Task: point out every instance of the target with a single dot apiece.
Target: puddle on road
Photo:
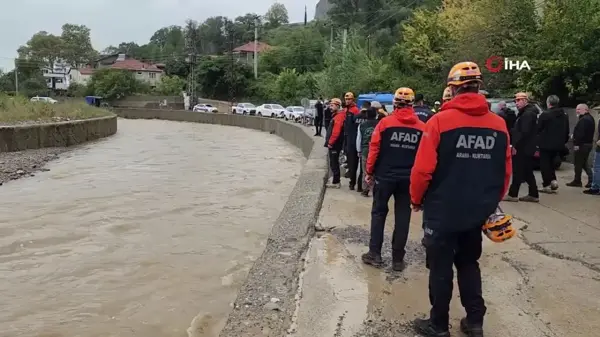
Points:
(137, 234)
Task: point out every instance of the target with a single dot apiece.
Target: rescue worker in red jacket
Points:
(335, 141)
(391, 156)
(461, 172)
(351, 124)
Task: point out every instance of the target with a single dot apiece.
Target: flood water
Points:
(140, 234)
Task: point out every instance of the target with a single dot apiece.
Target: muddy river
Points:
(148, 233)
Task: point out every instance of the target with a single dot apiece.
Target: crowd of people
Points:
(453, 162)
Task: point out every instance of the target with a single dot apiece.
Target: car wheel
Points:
(234, 111)
(272, 115)
(244, 113)
(260, 114)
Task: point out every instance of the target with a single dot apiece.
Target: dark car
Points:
(510, 103)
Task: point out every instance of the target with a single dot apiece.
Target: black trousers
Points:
(581, 162)
(326, 122)
(318, 125)
(353, 163)
(547, 158)
(334, 165)
(523, 172)
(463, 250)
(382, 192)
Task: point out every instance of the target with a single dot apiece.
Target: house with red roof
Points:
(144, 71)
(245, 53)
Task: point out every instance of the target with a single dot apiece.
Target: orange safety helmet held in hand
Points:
(349, 95)
(498, 227)
(404, 96)
(464, 72)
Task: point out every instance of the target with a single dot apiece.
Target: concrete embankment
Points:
(267, 300)
(60, 134)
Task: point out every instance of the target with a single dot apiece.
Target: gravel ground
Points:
(15, 165)
(39, 121)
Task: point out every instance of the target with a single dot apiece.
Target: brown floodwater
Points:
(148, 233)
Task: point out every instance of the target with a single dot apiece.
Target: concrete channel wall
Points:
(275, 274)
(60, 134)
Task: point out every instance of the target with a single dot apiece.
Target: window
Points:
(267, 106)
(139, 72)
(152, 75)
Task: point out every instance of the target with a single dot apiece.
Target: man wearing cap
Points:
(523, 143)
(436, 107)
(423, 111)
(351, 129)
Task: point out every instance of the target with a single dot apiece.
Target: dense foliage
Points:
(389, 43)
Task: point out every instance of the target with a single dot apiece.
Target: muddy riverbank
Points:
(15, 165)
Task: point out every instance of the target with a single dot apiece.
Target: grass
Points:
(19, 110)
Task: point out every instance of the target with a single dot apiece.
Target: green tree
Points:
(77, 44)
(43, 48)
(276, 16)
(170, 86)
(113, 84)
(218, 77)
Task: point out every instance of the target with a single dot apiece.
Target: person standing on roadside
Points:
(583, 142)
(335, 141)
(423, 111)
(595, 188)
(507, 114)
(461, 171)
(319, 107)
(351, 129)
(363, 138)
(553, 134)
(524, 137)
(327, 115)
(392, 151)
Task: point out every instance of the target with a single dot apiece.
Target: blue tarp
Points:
(382, 97)
(91, 100)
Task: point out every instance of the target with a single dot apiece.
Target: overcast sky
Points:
(115, 21)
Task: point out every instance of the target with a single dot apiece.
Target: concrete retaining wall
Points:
(275, 274)
(60, 134)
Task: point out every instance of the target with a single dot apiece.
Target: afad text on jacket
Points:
(423, 112)
(394, 144)
(463, 165)
(335, 134)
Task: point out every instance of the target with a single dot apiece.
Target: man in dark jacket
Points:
(523, 136)
(507, 114)
(319, 107)
(350, 129)
(583, 142)
(363, 138)
(327, 116)
(423, 111)
(335, 141)
(553, 134)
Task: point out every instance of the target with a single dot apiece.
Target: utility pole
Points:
(230, 36)
(256, 49)
(16, 77)
(369, 45)
(345, 39)
(331, 38)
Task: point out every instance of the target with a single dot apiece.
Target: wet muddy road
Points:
(148, 233)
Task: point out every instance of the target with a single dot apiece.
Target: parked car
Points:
(205, 108)
(294, 113)
(510, 103)
(44, 100)
(244, 109)
(270, 110)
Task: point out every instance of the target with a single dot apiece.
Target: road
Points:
(545, 283)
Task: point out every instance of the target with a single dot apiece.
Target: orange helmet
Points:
(447, 95)
(498, 227)
(336, 101)
(349, 95)
(404, 96)
(464, 72)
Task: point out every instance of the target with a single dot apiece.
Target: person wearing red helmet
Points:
(351, 123)
(462, 171)
(392, 150)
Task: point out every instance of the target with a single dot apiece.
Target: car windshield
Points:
(208, 105)
(298, 109)
(276, 106)
(249, 105)
(511, 105)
